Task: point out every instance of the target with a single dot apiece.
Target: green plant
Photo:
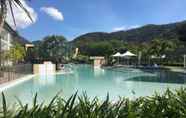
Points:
(82, 59)
(16, 53)
(168, 105)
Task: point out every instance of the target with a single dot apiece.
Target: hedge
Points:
(171, 104)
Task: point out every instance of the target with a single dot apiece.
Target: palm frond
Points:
(18, 2)
(12, 12)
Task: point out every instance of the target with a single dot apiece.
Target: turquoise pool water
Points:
(125, 82)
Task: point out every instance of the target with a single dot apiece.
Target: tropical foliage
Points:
(15, 54)
(5, 4)
(181, 31)
(150, 40)
(142, 34)
(51, 48)
(160, 47)
(81, 59)
(156, 47)
(156, 40)
(168, 105)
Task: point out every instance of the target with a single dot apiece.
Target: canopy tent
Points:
(118, 54)
(128, 54)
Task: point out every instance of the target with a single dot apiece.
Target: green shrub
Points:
(168, 105)
(82, 59)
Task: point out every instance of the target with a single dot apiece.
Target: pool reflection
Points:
(45, 80)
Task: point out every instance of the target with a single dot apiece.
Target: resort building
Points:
(9, 36)
(8, 70)
(98, 61)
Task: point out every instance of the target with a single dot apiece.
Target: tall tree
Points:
(51, 48)
(181, 30)
(160, 47)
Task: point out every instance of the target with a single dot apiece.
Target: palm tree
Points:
(4, 4)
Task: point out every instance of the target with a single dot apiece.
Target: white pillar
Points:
(8, 41)
(139, 58)
(184, 63)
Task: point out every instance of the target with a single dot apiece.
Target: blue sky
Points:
(83, 16)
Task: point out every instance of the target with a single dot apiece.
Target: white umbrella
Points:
(118, 54)
(128, 54)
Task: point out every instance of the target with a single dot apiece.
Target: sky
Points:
(72, 18)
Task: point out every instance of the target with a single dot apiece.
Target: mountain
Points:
(142, 34)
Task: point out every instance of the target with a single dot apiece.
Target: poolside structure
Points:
(11, 69)
(46, 68)
(98, 61)
(8, 38)
(118, 55)
(128, 54)
(27, 46)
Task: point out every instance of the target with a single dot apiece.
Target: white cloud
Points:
(22, 20)
(124, 28)
(119, 28)
(134, 26)
(53, 12)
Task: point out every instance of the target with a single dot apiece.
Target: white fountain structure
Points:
(46, 68)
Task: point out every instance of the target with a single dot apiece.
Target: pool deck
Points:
(176, 69)
(171, 68)
(12, 83)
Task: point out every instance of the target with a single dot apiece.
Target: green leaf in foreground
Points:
(171, 104)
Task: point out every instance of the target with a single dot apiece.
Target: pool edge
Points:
(10, 84)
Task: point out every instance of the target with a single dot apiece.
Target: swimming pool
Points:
(124, 82)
